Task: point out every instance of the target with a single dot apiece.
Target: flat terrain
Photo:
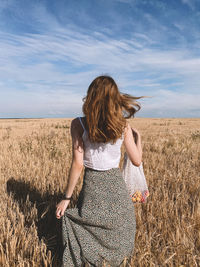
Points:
(35, 160)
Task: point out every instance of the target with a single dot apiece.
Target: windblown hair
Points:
(104, 106)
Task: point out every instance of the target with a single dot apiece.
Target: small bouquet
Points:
(139, 196)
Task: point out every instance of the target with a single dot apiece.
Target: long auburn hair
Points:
(103, 108)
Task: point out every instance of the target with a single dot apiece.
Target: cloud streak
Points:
(52, 69)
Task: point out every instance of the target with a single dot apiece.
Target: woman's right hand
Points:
(61, 207)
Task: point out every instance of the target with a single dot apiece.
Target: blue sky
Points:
(50, 51)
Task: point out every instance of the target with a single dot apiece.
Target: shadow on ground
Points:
(48, 227)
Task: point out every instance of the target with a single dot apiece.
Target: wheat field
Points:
(35, 160)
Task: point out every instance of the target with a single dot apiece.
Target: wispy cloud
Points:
(48, 72)
(189, 3)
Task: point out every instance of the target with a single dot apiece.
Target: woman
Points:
(102, 226)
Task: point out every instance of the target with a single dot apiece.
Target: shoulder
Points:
(75, 122)
(76, 126)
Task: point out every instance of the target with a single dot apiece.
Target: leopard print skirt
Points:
(101, 229)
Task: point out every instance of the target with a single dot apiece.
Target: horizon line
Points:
(21, 118)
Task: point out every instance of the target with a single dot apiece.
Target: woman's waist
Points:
(100, 170)
(101, 164)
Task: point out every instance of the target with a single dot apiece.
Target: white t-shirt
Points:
(101, 156)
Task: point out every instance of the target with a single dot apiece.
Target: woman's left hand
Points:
(61, 207)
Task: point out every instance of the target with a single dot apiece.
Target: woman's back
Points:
(100, 156)
(103, 225)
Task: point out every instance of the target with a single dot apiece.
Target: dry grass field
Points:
(35, 160)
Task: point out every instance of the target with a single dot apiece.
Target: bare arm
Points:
(133, 147)
(137, 139)
(77, 158)
(76, 167)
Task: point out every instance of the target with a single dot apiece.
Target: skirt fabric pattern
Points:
(103, 224)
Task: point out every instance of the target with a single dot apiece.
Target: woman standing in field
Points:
(102, 226)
